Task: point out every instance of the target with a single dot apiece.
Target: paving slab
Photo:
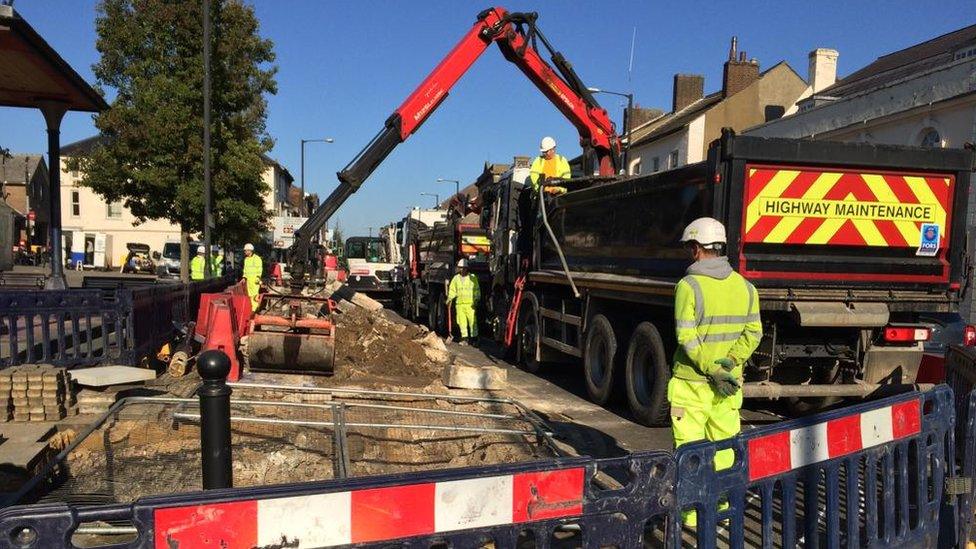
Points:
(103, 376)
(25, 444)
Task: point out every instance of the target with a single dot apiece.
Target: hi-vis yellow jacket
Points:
(537, 169)
(716, 314)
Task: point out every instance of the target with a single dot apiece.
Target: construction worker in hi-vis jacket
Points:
(716, 313)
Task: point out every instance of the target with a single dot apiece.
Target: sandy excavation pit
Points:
(151, 448)
(145, 451)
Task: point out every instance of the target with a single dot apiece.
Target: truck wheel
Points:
(646, 376)
(527, 337)
(433, 309)
(406, 305)
(442, 318)
(599, 356)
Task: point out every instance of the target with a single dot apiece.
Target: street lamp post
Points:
(437, 198)
(457, 184)
(627, 125)
(326, 140)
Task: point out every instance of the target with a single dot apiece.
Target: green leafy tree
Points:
(152, 154)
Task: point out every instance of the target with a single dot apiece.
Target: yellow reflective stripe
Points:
(717, 338)
(774, 188)
(719, 319)
(826, 230)
(881, 189)
(924, 194)
(869, 232)
(699, 297)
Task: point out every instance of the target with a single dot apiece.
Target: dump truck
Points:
(848, 244)
(431, 253)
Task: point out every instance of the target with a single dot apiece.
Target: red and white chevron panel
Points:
(375, 514)
(783, 451)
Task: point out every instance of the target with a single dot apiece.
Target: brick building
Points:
(747, 97)
(23, 187)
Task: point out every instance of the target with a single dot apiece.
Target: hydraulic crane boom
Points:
(515, 34)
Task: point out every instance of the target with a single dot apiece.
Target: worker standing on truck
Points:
(253, 269)
(465, 292)
(549, 164)
(717, 322)
(198, 264)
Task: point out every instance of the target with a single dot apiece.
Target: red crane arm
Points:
(595, 128)
(516, 35)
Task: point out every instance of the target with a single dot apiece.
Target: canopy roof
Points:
(33, 74)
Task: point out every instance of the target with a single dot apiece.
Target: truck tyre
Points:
(646, 375)
(526, 339)
(441, 326)
(433, 311)
(599, 357)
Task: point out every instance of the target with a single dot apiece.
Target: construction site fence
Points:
(90, 326)
(877, 474)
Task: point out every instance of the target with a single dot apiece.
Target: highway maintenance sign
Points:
(807, 206)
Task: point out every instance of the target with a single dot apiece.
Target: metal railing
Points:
(85, 327)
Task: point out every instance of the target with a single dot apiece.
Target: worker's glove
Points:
(555, 191)
(724, 382)
(726, 363)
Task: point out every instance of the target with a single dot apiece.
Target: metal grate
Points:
(150, 445)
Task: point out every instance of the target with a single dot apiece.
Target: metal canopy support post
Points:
(207, 190)
(53, 114)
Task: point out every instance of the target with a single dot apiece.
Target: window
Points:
(930, 138)
(75, 203)
(656, 164)
(673, 159)
(635, 167)
(113, 210)
(964, 53)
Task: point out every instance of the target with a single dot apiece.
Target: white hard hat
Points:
(249, 247)
(705, 231)
(462, 263)
(547, 143)
(201, 250)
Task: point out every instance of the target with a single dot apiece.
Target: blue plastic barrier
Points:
(518, 505)
(869, 475)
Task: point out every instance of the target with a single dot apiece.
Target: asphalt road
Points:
(558, 395)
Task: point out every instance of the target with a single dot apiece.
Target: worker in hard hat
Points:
(717, 322)
(198, 265)
(253, 270)
(549, 165)
(465, 292)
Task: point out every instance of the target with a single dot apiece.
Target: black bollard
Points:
(213, 367)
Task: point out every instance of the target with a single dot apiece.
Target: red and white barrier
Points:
(375, 514)
(786, 450)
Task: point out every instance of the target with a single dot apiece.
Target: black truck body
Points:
(833, 235)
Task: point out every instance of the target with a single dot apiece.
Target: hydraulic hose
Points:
(552, 235)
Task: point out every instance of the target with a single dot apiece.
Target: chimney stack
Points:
(823, 69)
(639, 115)
(738, 73)
(688, 88)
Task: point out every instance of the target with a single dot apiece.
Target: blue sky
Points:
(344, 66)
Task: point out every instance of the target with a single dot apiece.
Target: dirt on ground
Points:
(374, 350)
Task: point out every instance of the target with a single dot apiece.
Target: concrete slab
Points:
(463, 376)
(103, 376)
